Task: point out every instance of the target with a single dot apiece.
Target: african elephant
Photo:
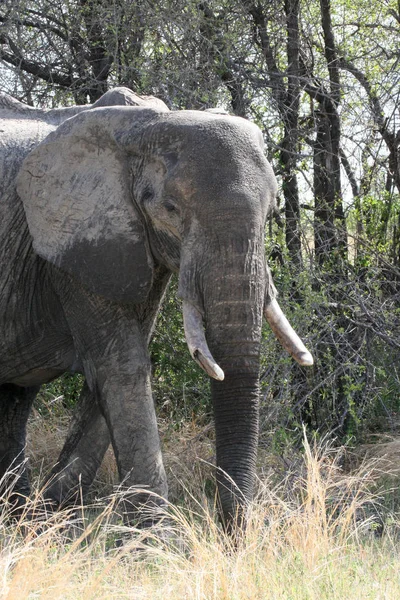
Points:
(96, 218)
(22, 128)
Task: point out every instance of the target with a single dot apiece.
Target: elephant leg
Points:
(131, 418)
(83, 451)
(88, 437)
(15, 406)
(112, 345)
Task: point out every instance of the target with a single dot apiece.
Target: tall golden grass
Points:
(308, 537)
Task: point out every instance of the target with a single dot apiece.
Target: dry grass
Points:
(308, 537)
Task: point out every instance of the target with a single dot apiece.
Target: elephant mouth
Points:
(200, 352)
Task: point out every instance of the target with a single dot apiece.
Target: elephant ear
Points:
(75, 187)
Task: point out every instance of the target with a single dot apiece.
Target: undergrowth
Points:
(312, 534)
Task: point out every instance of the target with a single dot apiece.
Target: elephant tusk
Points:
(286, 334)
(196, 341)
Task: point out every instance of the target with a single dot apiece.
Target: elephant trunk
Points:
(233, 299)
(223, 305)
(236, 413)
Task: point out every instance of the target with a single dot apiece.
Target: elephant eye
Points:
(170, 207)
(147, 195)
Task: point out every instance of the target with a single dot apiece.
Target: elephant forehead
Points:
(221, 171)
(197, 131)
(212, 149)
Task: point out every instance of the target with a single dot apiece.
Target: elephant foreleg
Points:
(112, 344)
(131, 418)
(15, 406)
(83, 451)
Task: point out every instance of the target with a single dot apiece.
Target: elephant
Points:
(100, 206)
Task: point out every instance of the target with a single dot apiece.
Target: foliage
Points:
(352, 330)
(65, 388)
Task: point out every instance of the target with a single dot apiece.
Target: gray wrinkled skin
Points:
(99, 205)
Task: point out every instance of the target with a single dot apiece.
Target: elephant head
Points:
(115, 191)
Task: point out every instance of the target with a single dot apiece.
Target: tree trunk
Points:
(289, 144)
